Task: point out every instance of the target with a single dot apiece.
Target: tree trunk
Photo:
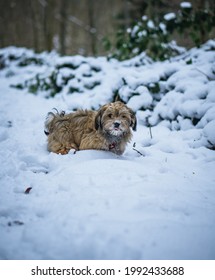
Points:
(63, 26)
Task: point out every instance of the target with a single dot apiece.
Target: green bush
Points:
(154, 35)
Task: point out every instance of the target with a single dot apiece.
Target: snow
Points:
(156, 201)
(169, 16)
(163, 27)
(143, 99)
(151, 24)
(186, 5)
(209, 132)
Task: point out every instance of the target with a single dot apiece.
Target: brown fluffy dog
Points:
(106, 129)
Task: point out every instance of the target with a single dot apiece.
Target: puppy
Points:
(107, 129)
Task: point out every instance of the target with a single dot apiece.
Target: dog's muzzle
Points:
(116, 124)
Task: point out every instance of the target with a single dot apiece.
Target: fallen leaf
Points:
(27, 191)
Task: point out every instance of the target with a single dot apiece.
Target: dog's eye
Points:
(110, 116)
(124, 116)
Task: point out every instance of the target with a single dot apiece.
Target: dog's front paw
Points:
(70, 148)
(63, 151)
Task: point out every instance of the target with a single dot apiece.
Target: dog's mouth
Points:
(115, 131)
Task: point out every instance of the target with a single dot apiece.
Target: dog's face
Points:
(115, 119)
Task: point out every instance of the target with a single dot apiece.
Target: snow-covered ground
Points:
(156, 201)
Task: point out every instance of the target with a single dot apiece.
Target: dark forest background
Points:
(79, 26)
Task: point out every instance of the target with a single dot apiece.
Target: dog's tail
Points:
(48, 126)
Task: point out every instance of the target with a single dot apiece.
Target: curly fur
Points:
(106, 129)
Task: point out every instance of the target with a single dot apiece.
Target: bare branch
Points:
(134, 145)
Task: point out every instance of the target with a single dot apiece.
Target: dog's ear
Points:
(98, 118)
(133, 120)
(98, 121)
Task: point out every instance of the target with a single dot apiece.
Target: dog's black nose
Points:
(116, 124)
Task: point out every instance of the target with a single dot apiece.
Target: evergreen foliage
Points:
(154, 36)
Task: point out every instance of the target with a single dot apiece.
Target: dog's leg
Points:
(65, 150)
(59, 148)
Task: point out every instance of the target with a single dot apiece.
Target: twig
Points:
(150, 131)
(137, 150)
(209, 79)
